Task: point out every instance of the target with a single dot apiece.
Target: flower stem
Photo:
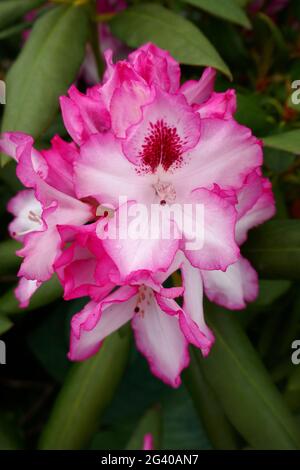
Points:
(87, 391)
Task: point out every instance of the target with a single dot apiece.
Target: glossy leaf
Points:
(226, 9)
(216, 424)
(44, 69)
(87, 391)
(244, 388)
(151, 22)
(47, 293)
(11, 10)
(274, 249)
(150, 423)
(9, 261)
(5, 324)
(288, 141)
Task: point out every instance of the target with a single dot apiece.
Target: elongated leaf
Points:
(151, 22)
(274, 249)
(288, 141)
(16, 29)
(292, 392)
(150, 423)
(244, 388)
(5, 324)
(86, 393)
(216, 424)
(226, 9)
(45, 68)
(9, 261)
(11, 10)
(9, 438)
(47, 293)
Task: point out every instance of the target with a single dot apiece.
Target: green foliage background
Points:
(246, 394)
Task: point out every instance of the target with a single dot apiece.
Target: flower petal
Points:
(225, 154)
(102, 171)
(157, 66)
(168, 128)
(262, 210)
(98, 320)
(212, 245)
(27, 211)
(191, 317)
(83, 115)
(160, 340)
(233, 288)
(197, 92)
(25, 289)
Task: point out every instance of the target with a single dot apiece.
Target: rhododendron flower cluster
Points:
(142, 137)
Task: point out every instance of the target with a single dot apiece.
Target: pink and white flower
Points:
(162, 329)
(49, 201)
(142, 136)
(239, 284)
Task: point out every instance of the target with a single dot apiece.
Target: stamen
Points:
(103, 211)
(162, 146)
(166, 192)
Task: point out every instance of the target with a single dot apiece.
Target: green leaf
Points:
(150, 423)
(274, 249)
(9, 438)
(226, 9)
(16, 29)
(244, 388)
(216, 424)
(181, 426)
(151, 22)
(11, 10)
(47, 293)
(9, 260)
(278, 160)
(5, 324)
(87, 391)
(44, 69)
(292, 391)
(288, 141)
(251, 113)
(270, 291)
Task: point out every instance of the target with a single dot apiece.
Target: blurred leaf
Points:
(274, 249)
(292, 391)
(44, 69)
(47, 293)
(244, 388)
(274, 30)
(49, 341)
(11, 10)
(9, 440)
(181, 426)
(87, 391)
(288, 141)
(250, 113)
(9, 260)
(216, 424)
(150, 423)
(278, 160)
(226, 9)
(5, 324)
(16, 29)
(151, 22)
(270, 291)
